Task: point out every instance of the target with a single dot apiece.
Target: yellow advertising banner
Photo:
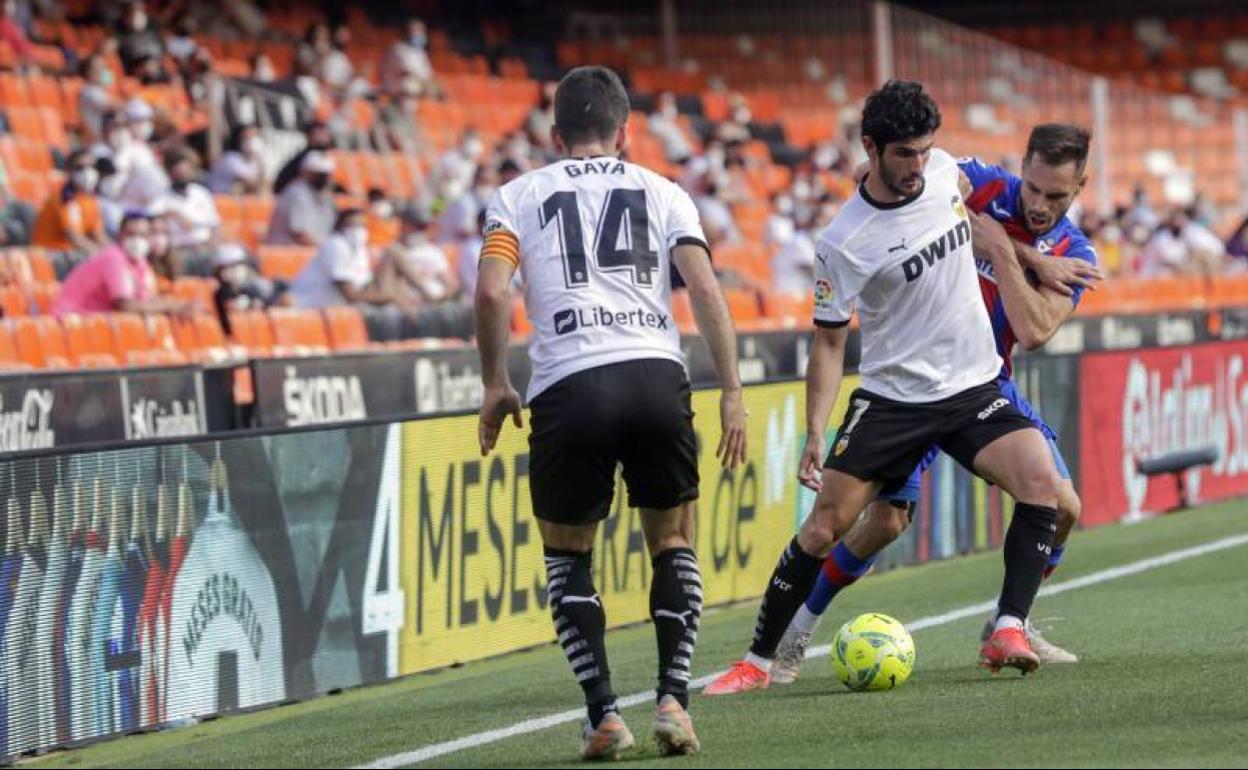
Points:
(471, 565)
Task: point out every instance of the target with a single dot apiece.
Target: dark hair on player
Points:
(1059, 143)
(898, 111)
(590, 105)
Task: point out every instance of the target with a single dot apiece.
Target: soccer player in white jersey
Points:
(594, 237)
(901, 252)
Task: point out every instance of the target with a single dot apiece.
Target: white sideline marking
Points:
(435, 750)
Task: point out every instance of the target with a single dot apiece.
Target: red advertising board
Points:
(1143, 403)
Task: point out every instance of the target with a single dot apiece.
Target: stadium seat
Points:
(40, 342)
(346, 328)
(298, 332)
(88, 342)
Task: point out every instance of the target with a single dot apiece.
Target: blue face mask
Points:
(417, 41)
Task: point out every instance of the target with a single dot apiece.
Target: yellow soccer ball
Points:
(873, 652)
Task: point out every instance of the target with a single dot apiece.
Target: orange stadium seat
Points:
(346, 328)
(682, 311)
(130, 335)
(9, 359)
(14, 302)
(40, 342)
(742, 305)
(253, 330)
(298, 332)
(284, 262)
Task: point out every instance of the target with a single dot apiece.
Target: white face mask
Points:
(143, 130)
(414, 240)
(254, 145)
(473, 148)
(357, 236)
(86, 179)
(119, 138)
(136, 246)
(383, 209)
(235, 274)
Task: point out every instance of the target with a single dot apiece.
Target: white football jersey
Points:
(909, 269)
(594, 238)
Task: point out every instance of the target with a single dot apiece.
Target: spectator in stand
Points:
(119, 278)
(70, 219)
(383, 225)
(538, 124)
(163, 259)
(241, 169)
(1206, 249)
(664, 124)
(468, 247)
(717, 220)
(17, 218)
(336, 70)
(458, 165)
(406, 70)
(398, 117)
(144, 179)
(304, 213)
(109, 196)
(415, 271)
(460, 218)
(262, 69)
(319, 139)
(341, 273)
(95, 100)
(1237, 244)
(139, 40)
(1166, 253)
(240, 287)
(191, 211)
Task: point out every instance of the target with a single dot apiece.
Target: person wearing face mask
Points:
(241, 169)
(71, 219)
(240, 287)
(383, 225)
(460, 217)
(415, 270)
(119, 278)
(304, 212)
(161, 256)
(138, 38)
(341, 273)
(457, 166)
(143, 176)
(407, 70)
(664, 124)
(191, 210)
(538, 124)
(319, 139)
(96, 98)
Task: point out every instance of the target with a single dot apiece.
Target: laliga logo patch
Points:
(823, 291)
(842, 445)
(958, 207)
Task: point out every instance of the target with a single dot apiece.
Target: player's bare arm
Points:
(493, 321)
(1035, 312)
(823, 385)
(1056, 274)
(710, 310)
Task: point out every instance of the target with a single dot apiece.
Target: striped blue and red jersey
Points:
(997, 193)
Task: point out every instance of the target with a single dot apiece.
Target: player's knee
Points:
(1069, 509)
(1039, 485)
(889, 521)
(817, 534)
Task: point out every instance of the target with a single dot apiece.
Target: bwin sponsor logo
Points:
(935, 251)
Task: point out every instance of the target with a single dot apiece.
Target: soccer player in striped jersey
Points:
(1027, 298)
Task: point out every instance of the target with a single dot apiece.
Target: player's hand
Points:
(732, 439)
(990, 240)
(496, 404)
(1063, 275)
(810, 467)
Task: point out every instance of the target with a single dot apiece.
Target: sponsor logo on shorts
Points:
(1044, 549)
(993, 408)
(842, 445)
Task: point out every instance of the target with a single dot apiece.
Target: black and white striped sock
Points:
(675, 608)
(580, 624)
(790, 584)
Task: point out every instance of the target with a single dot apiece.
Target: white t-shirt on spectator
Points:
(193, 215)
(792, 266)
(231, 167)
(427, 264)
(337, 261)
